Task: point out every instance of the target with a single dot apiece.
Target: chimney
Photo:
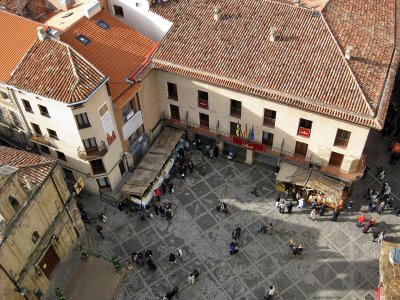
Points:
(272, 34)
(217, 13)
(349, 50)
(91, 8)
(296, 3)
(54, 34)
(41, 33)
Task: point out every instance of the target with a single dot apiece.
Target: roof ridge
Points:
(74, 71)
(45, 163)
(372, 112)
(251, 85)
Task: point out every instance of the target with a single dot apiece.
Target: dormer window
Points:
(103, 24)
(83, 39)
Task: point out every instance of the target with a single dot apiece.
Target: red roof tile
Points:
(17, 35)
(54, 70)
(33, 166)
(305, 66)
(116, 51)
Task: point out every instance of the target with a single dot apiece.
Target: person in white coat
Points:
(301, 204)
(312, 214)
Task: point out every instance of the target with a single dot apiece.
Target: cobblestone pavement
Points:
(339, 261)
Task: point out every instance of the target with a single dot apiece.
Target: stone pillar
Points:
(220, 146)
(249, 157)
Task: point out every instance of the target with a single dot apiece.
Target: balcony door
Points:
(301, 149)
(336, 159)
(174, 112)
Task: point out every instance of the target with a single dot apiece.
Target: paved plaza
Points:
(339, 261)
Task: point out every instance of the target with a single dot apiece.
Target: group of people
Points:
(378, 201)
(296, 249)
(181, 165)
(266, 229)
(165, 211)
(147, 259)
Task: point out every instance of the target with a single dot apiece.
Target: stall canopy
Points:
(151, 165)
(310, 178)
(389, 273)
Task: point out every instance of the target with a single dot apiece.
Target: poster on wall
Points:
(108, 126)
(132, 125)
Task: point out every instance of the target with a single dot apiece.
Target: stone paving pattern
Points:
(339, 261)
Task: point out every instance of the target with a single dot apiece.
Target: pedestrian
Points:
(298, 196)
(171, 187)
(162, 211)
(172, 258)
(286, 194)
(157, 194)
(190, 166)
(336, 213)
(301, 204)
(375, 235)
(172, 293)
(99, 229)
(312, 214)
(134, 257)
(169, 214)
(381, 207)
(289, 207)
(379, 170)
(367, 226)
(233, 248)
(236, 233)
(148, 253)
(254, 191)
(382, 236)
(196, 274)
(156, 209)
(360, 220)
(270, 294)
(282, 206)
(102, 217)
(277, 199)
(191, 278)
(322, 210)
(178, 253)
(349, 206)
(269, 229)
(151, 264)
(222, 207)
(140, 259)
(164, 187)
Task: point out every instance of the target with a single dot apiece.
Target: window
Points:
(204, 120)
(35, 237)
(128, 110)
(174, 112)
(103, 182)
(82, 120)
(90, 144)
(301, 149)
(121, 166)
(304, 128)
(14, 203)
(61, 155)
(27, 105)
(103, 24)
(16, 120)
(336, 159)
(202, 99)
(52, 133)
(3, 95)
(267, 138)
(79, 105)
(118, 11)
(44, 149)
(36, 128)
(342, 138)
(172, 91)
(97, 166)
(138, 4)
(269, 118)
(232, 128)
(69, 174)
(236, 108)
(83, 39)
(44, 111)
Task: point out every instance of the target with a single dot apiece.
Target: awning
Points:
(153, 163)
(389, 274)
(310, 178)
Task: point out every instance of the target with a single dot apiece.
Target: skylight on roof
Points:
(103, 24)
(83, 39)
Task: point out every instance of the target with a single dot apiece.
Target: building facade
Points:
(40, 222)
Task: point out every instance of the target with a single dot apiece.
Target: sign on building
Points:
(107, 123)
(78, 186)
(132, 125)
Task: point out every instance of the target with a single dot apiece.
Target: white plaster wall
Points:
(62, 120)
(323, 133)
(141, 19)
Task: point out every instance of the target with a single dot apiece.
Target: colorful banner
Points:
(107, 123)
(250, 146)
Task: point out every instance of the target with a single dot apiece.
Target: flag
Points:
(251, 134)
(245, 132)
(238, 129)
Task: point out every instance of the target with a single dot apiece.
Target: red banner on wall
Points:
(203, 103)
(304, 132)
(248, 145)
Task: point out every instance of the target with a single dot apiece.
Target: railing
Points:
(339, 142)
(236, 112)
(269, 122)
(98, 170)
(93, 153)
(42, 139)
(306, 161)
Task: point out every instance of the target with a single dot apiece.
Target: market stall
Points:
(150, 172)
(389, 271)
(314, 185)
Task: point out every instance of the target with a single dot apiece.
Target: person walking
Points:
(270, 229)
(172, 258)
(169, 213)
(312, 214)
(381, 207)
(301, 204)
(164, 187)
(171, 187)
(162, 211)
(236, 233)
(157, 194)
(172, 293)
(349, 206)
(191, 278)
(233, 248)
(322, 210)
(290, 207)
(375, 235)
(336, 213)
(254, 190)
(190, 166)
(99, 229)
(102, 217)
(178, 253)
(270, 294)
(156, 209)
(196, 274)
(382, 236)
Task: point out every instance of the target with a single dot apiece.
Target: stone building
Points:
(40, 222)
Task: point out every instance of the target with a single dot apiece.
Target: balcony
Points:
(269, 122)
(342, 143)
(93, 153)
(42, 140)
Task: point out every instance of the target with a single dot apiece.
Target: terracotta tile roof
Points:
(304, 67)
(17, 35)
(116, 51)
(54, 70)
(33, 166)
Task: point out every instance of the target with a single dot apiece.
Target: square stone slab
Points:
(173, 241)
(324, 274)
(215, 180)
(185, 196)
(132, 245)
(234, 287)
(205, 170)
(133, 284)
(222, 272)
(205, 221)
(229, 172)
(206, 283)
(250, 277)
(161, 287)
(123, 232)
(195, 209)
(218, 294)
(200, 189)
(293, 293)
(238, 262)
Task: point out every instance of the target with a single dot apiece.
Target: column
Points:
(249, 157)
